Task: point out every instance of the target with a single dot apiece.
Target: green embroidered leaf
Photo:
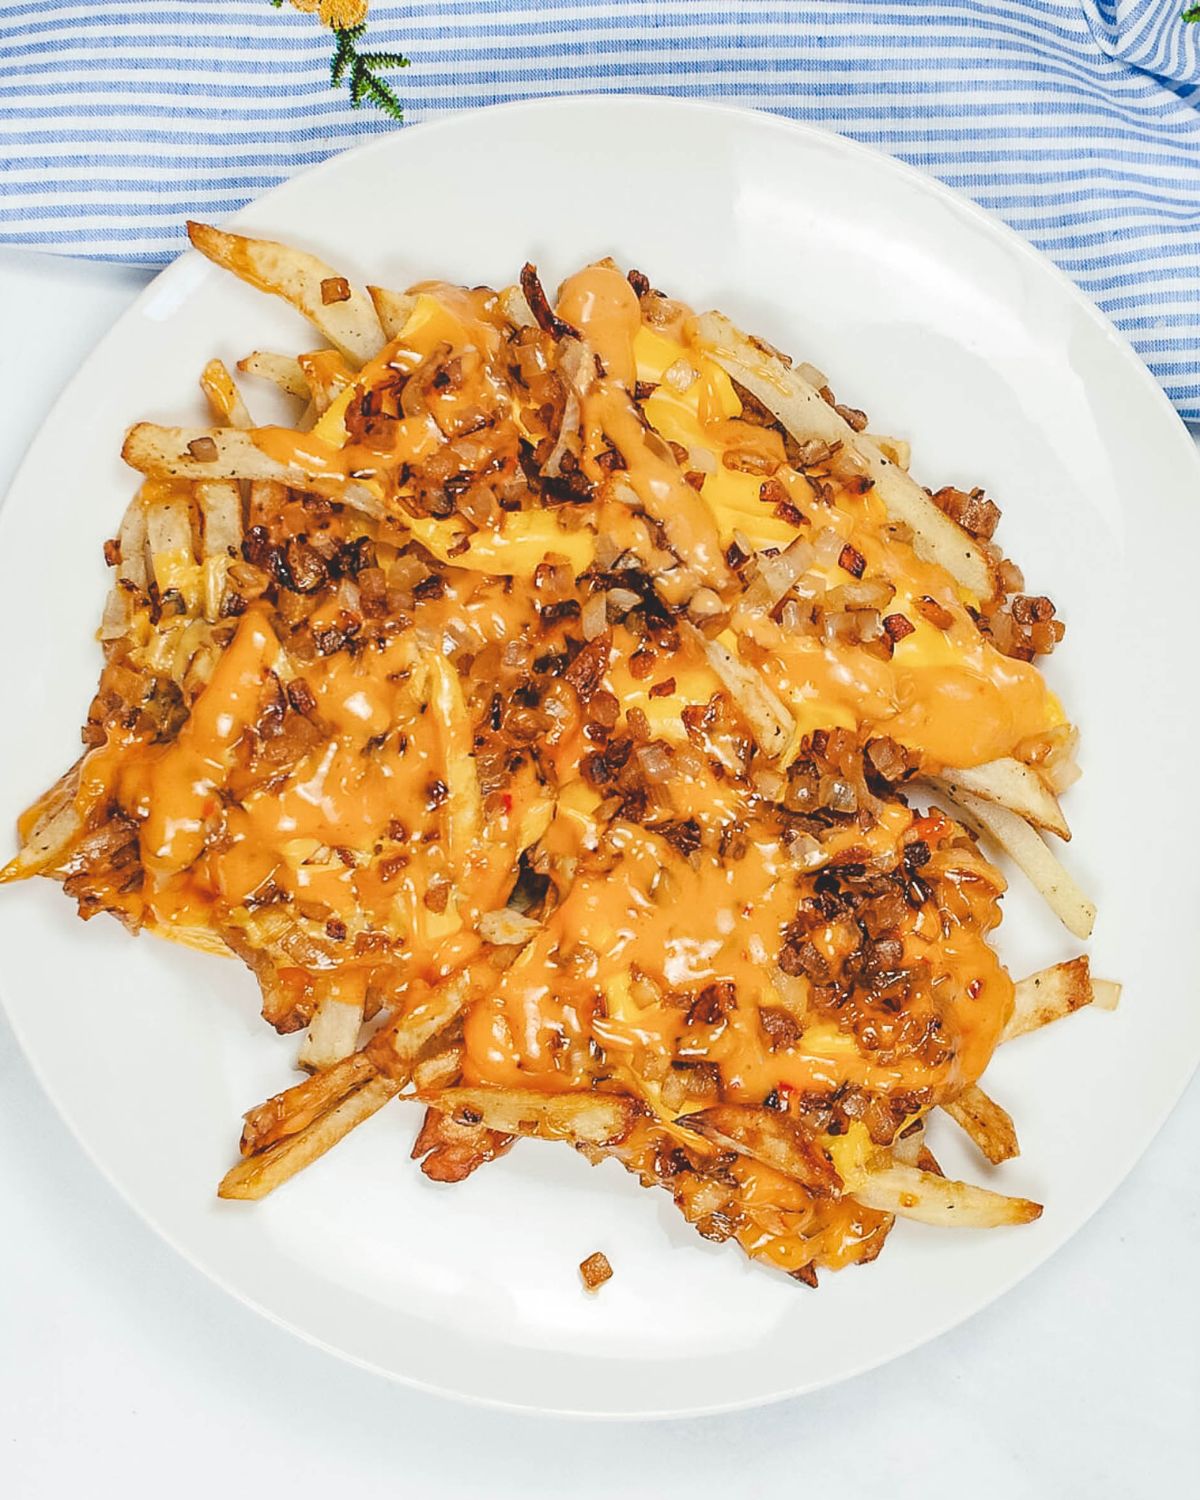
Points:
(385, 59)
(1192, 13)
(364, 80)
(343, 55)
(362, 68)
(383, 96)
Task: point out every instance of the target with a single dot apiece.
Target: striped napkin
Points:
(1077, 121)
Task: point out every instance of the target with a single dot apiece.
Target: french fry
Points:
(282, 370)
(395, 1047)
(899, 450)
(313, 288)
(911, 1150)
(1053, 993)
(171, 548)
(393, 309)
(910, 1193)
(118, 613)
(989, 1126)
(806, 415)
(220, 503)
(770, 721)
(907, 1148)
(131, 577)
(235, 455)
(1028, 850)
(464, 803)
(332, 1033)
(328, 375)
(1013, 785)
(1060, 767)
(57, 827)
(770, 1137)
(452, 1148)
(256, 1176)
(132, 542)
(392, 1052)
(440, 1063)
(168, 536)
(592, 1119)
(289, 1112)
(224, 398)
(263, 498)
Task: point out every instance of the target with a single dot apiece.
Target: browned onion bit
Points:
(1030, 609)
(937, 614)
(595, 1270)
(792, 514)
(852, 560)
(898, 626)
(539, 305)
(972, 510)
(854, 419)
(887, 759)
(335, 289)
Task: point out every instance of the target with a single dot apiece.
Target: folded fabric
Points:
(1077, 121)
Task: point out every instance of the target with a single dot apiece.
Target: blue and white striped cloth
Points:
(1078, 121)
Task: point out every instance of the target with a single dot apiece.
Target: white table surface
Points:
(123, 1372)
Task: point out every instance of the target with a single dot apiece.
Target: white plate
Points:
(948, 330)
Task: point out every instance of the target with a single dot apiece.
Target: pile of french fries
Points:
(275, 586)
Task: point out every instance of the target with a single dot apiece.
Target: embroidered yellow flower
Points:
(338, 15)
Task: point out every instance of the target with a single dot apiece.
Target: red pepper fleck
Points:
(934, 825)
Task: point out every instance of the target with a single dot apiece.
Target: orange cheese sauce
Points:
(378, 812)
(601, 303)
(174, 792)
(679, 926)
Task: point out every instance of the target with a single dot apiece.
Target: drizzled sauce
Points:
(600, 302)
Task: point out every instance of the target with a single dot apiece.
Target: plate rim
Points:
(585, 102)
